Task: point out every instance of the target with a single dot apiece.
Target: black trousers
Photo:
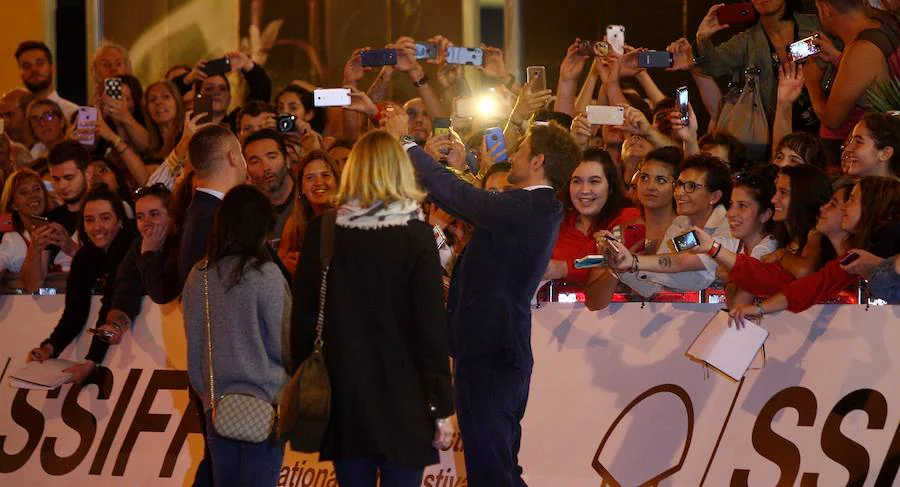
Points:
(203, 477)
(491, 396)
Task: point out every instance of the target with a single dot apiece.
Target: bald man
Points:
(12, 111)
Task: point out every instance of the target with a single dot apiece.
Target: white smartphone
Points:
(465, 55)
(615, 37)
(605, 115)
(86, 121)
(332, 97)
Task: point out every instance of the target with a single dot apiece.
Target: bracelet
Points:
(421, 81)
(634, 263)
(760, 310)
(714, 250)
(116, 141)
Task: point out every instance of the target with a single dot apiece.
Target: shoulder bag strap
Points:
(209, 356)
(327, 252)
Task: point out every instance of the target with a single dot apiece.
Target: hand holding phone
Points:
(685, 241)
(471, 56)
(219, 66)
(203, 106)
(682, 101)
(495, 144)
(536, 78)
(849, 258)
(378, 57)
(605, 115)
(334, 97)
(804, 48)
(655, 59)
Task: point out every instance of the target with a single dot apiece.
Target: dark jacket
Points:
(489, 304)
(159, 271)
(91, 267)
(198, 220)
(385, 340)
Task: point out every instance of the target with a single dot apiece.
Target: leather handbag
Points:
(241, 417)
(306, 399)
(743, 115)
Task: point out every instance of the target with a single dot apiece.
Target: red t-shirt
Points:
(572, 244)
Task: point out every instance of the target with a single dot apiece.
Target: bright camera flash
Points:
(488, 106)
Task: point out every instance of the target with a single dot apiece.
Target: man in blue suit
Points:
(489, 304)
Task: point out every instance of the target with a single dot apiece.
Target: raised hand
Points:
(406, 54)
(682, 55)
(635, 121)
(529, 102)
(493, 64)
(239, 61)
(710, 24)
(573, 63)
(354, 70)
(196, 73)
(628, 65)
(790, 83)
(581, 130)
(360, 102)
(682, 131)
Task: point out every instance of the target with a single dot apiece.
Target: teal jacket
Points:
(751, 48)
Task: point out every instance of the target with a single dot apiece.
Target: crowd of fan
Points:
(110, 214)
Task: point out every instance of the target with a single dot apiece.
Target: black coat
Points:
(385, 340)
(489, 304)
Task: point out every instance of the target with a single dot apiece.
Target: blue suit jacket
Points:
(489, 305)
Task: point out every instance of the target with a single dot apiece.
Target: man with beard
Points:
(37, 71)
(419, 120)
(68, 161)
(268, 169)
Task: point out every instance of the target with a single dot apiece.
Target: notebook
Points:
(725, 348)
(44, 375)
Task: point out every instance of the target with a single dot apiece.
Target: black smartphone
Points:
(849, 258)
(440, 125)
(203, 105)
(655, 59)
(378, 57)
(681, 99)
(218, 66)
(286, 123)
(685, 241)
(426, 50)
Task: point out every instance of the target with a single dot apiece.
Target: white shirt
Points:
(217, 194)
(537, 186)
(649, 283)
(13, 249)
(68, 107)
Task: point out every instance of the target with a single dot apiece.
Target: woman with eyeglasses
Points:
(701, 190)
(26, 200)
(47, 124)
(107, 235)
(151, 265)
(318, 180)
(595, 201)
(871, 216)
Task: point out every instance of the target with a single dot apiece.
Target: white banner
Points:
(613, 399)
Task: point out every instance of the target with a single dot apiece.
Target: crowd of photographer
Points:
(204, 182)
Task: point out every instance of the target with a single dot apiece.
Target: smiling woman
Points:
(595, 201)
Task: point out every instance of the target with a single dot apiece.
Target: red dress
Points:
(572, 244)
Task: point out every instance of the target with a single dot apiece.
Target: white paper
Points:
(727, 348)
(44, 375)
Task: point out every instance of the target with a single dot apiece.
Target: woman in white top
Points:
(24, 198)
(702, 188)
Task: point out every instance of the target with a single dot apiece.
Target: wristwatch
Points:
(421, 81)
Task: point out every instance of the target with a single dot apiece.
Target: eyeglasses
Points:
(156, 189)
(44, 118)
(688, 186)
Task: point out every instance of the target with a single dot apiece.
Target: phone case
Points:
(203, 105)
(605, 115)
(378, 57)
(113, 88)
(538, 75)
(615, 37)
(494, 141)
(426, 50)
(87, 119)
(736, 14)
(335, 97)
(471, 56)
(590, 261)
(803, 48)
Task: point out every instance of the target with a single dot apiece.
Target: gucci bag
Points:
(240, 417)
(743, 115)
(306, 399)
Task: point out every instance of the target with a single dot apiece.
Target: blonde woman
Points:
(386, 345)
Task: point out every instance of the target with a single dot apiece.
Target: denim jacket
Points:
(751, 48)
(884, 282)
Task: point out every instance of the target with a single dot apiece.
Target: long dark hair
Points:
(303, 212)
(810, 190)
(760, 183)
(240, 228)
(103, 193)
(137, 96)
(615, 198)
(880, 202)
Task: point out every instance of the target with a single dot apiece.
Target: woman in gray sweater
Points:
(249, 307)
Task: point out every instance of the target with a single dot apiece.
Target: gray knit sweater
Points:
(249, 326)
